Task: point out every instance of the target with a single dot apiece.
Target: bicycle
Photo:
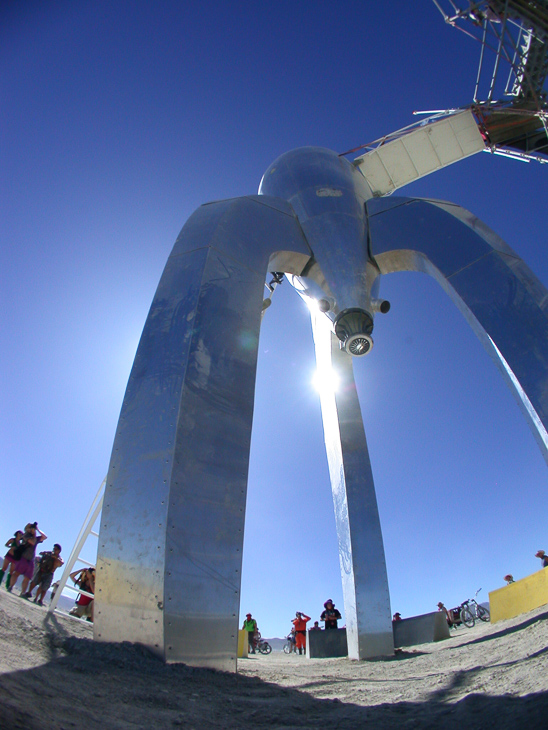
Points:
(262, 646)
(289, 645)
(470, 610)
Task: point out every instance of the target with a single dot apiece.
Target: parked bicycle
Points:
(289, 645)
(262, 646)
(471, 610)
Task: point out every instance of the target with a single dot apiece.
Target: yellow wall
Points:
(242, 643)
(519, 597)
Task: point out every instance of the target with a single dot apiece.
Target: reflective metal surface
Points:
(328, 195)
(361, 551)
(170, 548)
(171, 536)
(502, 300)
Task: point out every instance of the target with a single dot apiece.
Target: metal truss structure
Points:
(510, 95)
(509, 102)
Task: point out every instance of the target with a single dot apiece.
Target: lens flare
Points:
(325, 380)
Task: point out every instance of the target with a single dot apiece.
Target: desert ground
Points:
(52, 675)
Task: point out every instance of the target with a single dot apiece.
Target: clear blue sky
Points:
(118, 120)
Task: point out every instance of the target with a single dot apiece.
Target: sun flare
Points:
(325, 380)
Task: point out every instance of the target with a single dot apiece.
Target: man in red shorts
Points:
(299, 622)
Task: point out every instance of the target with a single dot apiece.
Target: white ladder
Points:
(85, 532)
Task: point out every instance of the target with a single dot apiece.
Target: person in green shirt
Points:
(250, 625)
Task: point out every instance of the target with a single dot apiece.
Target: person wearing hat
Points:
(542, 555)
(331, 615)
(448, 615)
(396, 617)
(250, 625)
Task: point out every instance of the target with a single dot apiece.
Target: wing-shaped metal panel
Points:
(503, 301)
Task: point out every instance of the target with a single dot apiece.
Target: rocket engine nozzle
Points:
(353, 327)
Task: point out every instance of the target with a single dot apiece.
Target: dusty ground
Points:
(52, 675)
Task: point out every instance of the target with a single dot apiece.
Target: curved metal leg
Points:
(502, 300)
(361, 550)
(170, 546)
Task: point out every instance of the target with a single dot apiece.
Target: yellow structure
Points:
(519, 597)
(242, 644)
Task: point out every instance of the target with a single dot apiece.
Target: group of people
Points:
(451, 614)
(21, 560)
(539, 554)
(297, 637)
(38, 570)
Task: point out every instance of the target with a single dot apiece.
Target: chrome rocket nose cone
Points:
(353, 327)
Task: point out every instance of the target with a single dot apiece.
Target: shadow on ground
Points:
(510, 630)
(123, 686)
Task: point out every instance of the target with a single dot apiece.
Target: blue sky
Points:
(121, 118)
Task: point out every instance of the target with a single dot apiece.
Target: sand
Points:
(52, 675)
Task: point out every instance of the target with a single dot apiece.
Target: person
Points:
(509, 579)
(331, 615)
(299, 622)
(396, 617)
(544, 558)
(292, 641)
(316, 627)
(25, 564)
(85, 580)
(448, 615)
(43, 575)
(250, 625)
(9, 558)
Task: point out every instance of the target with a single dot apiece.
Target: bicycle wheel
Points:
(287, 648)
(467, 617)
(265, 647)
(483, 614)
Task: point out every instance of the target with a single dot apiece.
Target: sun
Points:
(325, 380)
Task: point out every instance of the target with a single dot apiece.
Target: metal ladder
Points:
(85, 531)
